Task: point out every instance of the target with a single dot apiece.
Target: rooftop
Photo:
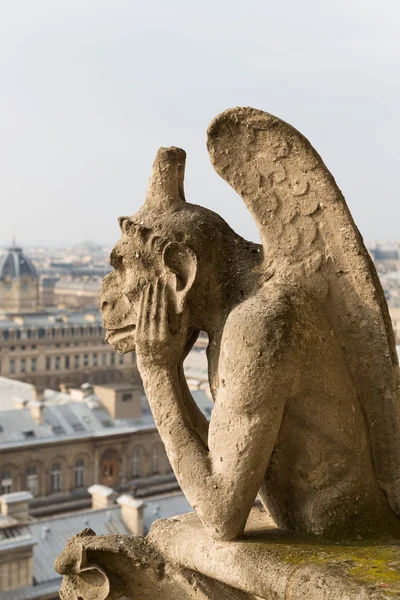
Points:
(75, 420)
(64, 418)
(49, 536)
(56, 318)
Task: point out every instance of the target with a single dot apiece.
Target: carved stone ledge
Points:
(269, 563)
(110, 567)
(179, 561)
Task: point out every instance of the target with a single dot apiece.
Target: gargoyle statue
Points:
(302, 361)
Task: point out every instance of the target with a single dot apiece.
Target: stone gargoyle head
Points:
(189, 247)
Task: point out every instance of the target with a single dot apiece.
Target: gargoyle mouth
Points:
(115, 335)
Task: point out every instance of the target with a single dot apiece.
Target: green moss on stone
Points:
(375, 564)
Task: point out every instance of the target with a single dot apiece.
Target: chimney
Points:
(102, 496)
(121, 400)
(87, 389)
(37, 405)
(132, 513)
(16, 505)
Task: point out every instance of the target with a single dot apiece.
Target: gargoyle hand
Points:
(155, 343)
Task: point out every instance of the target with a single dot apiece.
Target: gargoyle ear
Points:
(181, 262)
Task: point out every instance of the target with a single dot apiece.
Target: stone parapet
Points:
(178, 560)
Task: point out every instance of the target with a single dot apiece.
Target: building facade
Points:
(50, 349)
(57, 448)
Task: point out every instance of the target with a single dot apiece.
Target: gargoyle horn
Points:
(165, 188)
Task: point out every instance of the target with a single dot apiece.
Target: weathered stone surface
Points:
(303, 371)
(274, 564)
(302, 361)
(109, 567)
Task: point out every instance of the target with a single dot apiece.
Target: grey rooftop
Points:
(49, 536)
(64, 419)
(52, 318)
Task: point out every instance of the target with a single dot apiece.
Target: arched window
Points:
(80, 473)
(32, 480)
(56, 477)
(6, 482)
(136, 466)
(154, 460)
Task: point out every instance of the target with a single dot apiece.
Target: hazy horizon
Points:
(90, 89)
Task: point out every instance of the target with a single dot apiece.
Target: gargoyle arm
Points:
(221, 481)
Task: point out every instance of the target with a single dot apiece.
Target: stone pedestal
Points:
(179, 561)
(270, 564)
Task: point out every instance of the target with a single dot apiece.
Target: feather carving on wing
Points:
(309, 238)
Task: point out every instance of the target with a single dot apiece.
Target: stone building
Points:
(19, 282)
(57, 445)
(77, 292)
(48, 349)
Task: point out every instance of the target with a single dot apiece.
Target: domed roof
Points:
(14, 264)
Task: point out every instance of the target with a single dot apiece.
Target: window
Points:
(79, 473)
(67, 362)
(28, 433)
(121, 360)
(33, 365)
(154, 461)
(41, 332)
(108, 470)
(48, 363)
(112, 359)
(6, 482)
(86, 360)
(126, 397)
(104, 359)
(23, 365)
(136, 464)
(32, 481)
(95, 360)
(57, 363)
(12, 366)
(76, 361)
(56, 477)
(6, 334)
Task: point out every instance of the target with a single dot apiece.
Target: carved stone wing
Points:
(309, 238)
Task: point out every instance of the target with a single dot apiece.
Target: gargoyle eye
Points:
(116, 260)
(141, 283)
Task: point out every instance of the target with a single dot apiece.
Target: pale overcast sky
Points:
(89, 89)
